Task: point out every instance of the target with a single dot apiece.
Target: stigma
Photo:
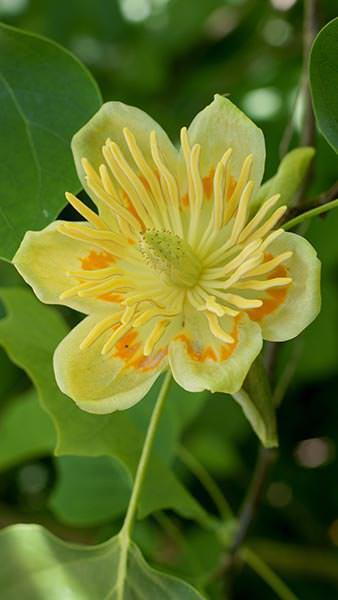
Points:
(171, 256)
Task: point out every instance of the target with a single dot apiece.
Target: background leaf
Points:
(26, 431)
(46, 96)
(89, 490)
(324, 81)
(50, 568)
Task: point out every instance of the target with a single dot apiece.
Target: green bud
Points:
(288, 179)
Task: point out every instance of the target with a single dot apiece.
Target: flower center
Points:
(166, 253)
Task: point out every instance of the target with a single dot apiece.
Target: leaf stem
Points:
(125, 533)
(207, 481)
(264, 571)
(323, 208)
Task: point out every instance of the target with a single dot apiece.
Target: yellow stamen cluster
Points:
(209, 254)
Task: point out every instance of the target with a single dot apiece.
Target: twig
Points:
(308, 214)
(265, 460)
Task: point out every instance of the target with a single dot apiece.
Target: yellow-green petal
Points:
(303, 299)
(221, 125)
(199, 361)
(44, 258)
(109, 122)
(105, 383)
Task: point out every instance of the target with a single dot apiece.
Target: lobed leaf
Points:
(50, 568)
(46, 96)
(324, 81)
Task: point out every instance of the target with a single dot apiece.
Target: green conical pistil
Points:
(168, 254)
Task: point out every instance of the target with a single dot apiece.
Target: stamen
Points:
(254, 284)
(87, 234)
(170, 185)
(217, 330)
(115, 337)
(133, 186)
(74, 290)
(128, 314)
(239, 301)
(85, 211)
(99, 329)
(197, 297)
(241, 183)
(219, 185)
(95, 274)
(240, 271)
(155, 336)
(259, 216)
(233, 264)
(186, 153)
(271, 238)
(269, 224)
(115, 206)
(241, 214)
(198, 193)
(270, 264)
(150, 177)
(106, 286)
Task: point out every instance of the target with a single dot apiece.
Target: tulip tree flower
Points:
(180, 266)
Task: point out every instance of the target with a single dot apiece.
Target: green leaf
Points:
(89, 490)
(324, 81)
(256, 401)
(46, 96)
(26, 431)
(35, 564)
(288, 179)
(29, 333)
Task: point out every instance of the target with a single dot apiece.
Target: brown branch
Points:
(265, 460)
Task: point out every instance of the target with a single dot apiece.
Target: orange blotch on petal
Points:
(195, 351)
(208, 183)
(97, 260)
(127, 346)
(274, 297)
(228, 349)
(199, 354)
(185, 200)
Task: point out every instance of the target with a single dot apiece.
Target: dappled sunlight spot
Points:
(277, 32)
(283, 4)
(279, 494)
(314, 452)
(262, 103)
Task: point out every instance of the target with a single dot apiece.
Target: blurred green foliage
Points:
(169, 57)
